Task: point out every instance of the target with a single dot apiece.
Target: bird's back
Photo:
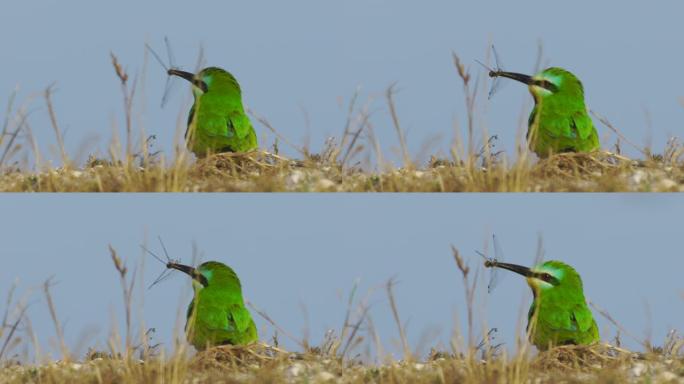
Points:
(218, 123)
(218, 318)
(560, 122)
(560, 130)
(561, 321)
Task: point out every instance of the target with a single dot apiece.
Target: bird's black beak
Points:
(512, 75)
(185, 75)
(525, 79)
(190, 271)
(189, 77)
(519, 269)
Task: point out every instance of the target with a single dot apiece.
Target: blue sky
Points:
(300, 61)
(306, 251)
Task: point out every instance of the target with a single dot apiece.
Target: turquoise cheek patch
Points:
(207, 274)
(557, 273)
(555, 79)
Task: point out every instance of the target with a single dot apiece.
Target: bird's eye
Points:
(549, 85)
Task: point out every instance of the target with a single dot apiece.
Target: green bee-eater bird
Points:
(217, 314)
(217, 121)
(559, 121)
(559, 313)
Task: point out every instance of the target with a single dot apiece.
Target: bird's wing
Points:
(238, 123)
(239, 317)
(558, 318)
(189, 312)
(561, 127)
(216, 125)
(581, 125)
(231, 331)
(577, 125)
(191, 115)
(582, 317)
(575, 319)
(530, 313)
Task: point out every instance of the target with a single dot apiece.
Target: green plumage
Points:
(559, 314)
(559, 121)
(217, 121)
(217, 314)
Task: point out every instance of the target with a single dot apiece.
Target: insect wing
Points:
(496, 81)
(171, 82)
(201, 60)
(169, 53)
(498, 257)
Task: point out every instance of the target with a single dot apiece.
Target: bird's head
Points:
(208, 80)
(549, 82)
(209, 274)
(550, 275)
(554, 274)
(556, 81)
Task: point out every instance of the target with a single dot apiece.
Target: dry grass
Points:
(250, 365)
(354, 162)
(265, 172)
